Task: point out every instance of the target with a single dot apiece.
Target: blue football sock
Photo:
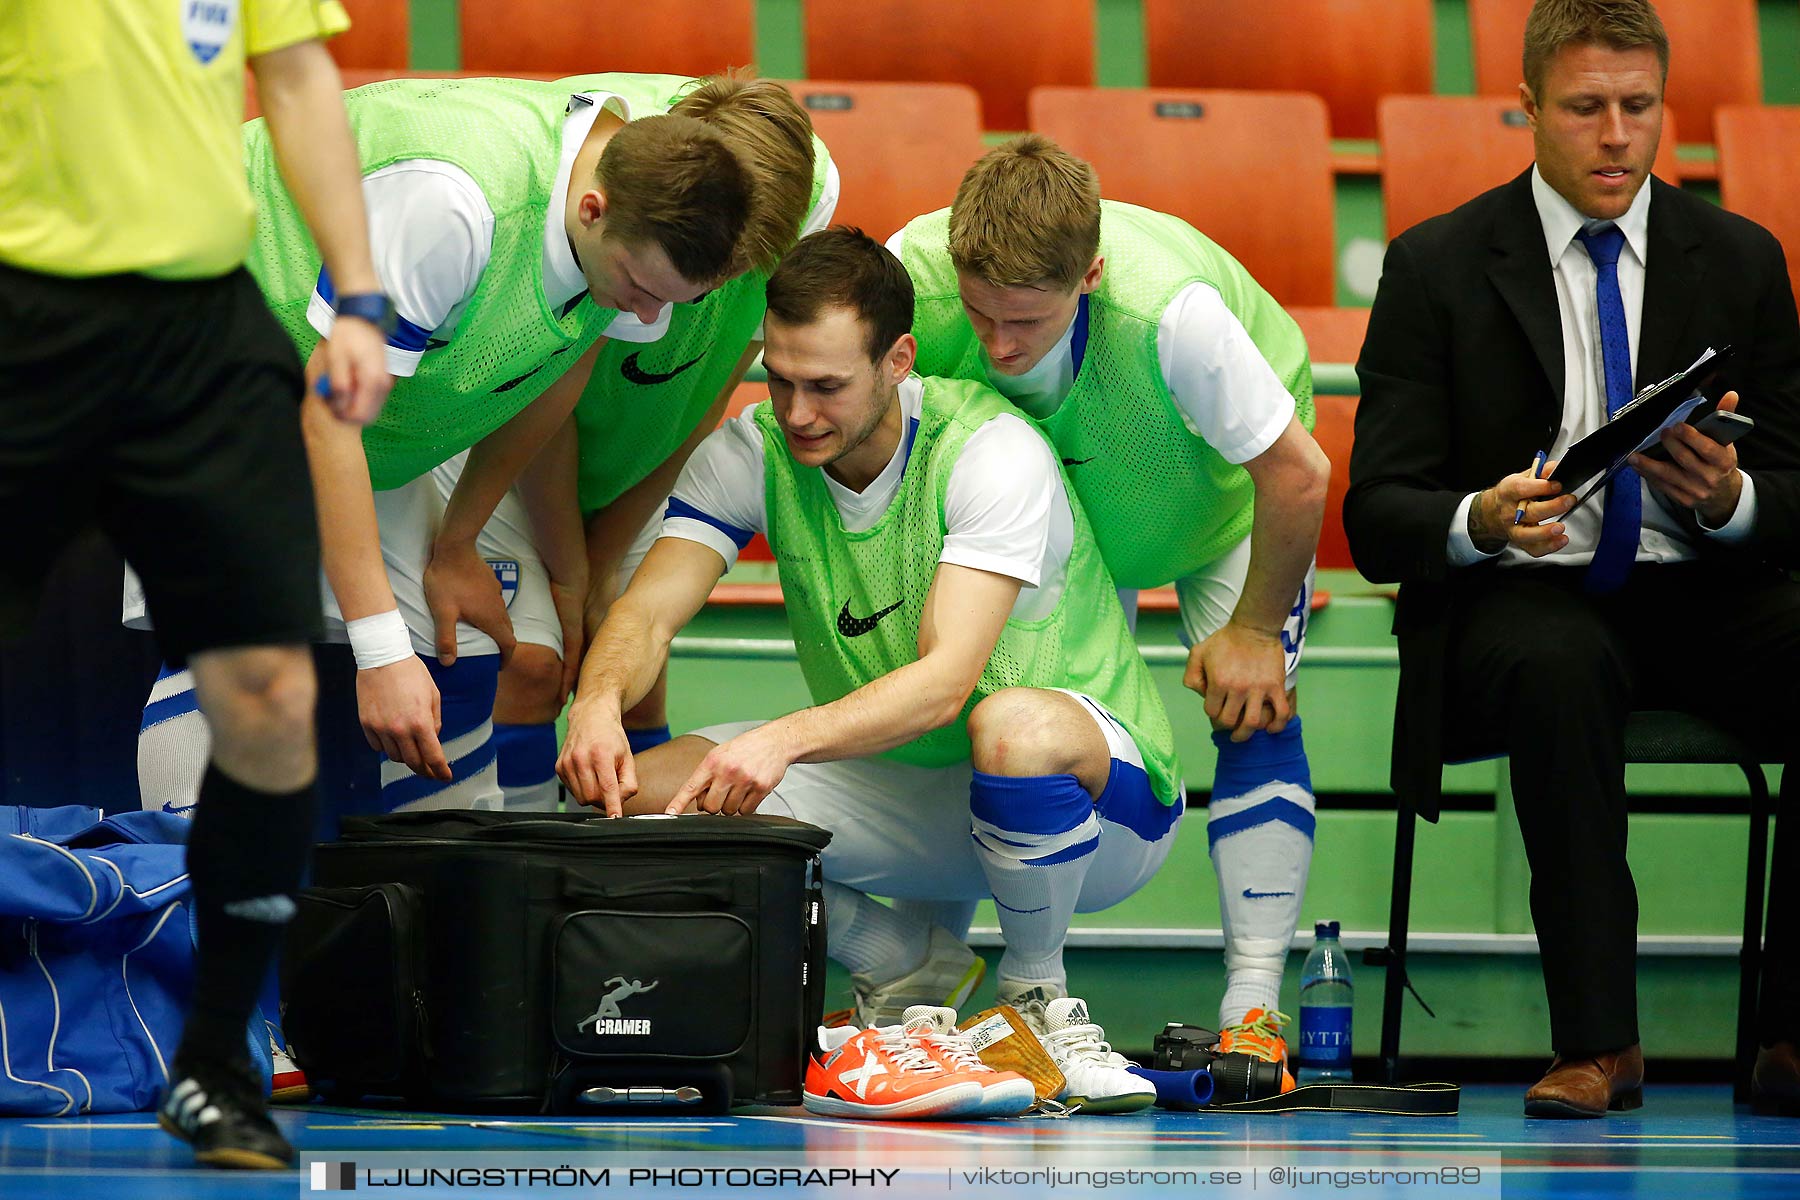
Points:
(174, 745)
(527, 758)
(1260, 830)
(641, 740)
(1035, 836)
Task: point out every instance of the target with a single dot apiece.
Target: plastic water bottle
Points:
(1325, 1002)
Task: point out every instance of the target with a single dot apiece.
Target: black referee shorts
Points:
(168, 414)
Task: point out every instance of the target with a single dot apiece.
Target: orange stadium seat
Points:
(1334, 431)
(900, 148)
(1438, 151)
(1001, 48)
(682, 37)
(380, 35)
(1333, 335)
(1351, 52)
(1758, 148)
(1215, 159)
(1716, 54)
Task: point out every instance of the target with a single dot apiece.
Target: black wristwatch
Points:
(372, 307)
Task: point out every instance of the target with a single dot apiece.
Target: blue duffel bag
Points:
(96, 959)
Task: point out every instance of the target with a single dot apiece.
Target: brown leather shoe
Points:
(1588, 1087)
(1775, 1084)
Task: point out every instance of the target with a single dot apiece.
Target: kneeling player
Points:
(970, 665)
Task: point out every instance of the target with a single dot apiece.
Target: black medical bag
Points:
(555, 961)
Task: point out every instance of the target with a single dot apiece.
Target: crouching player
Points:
(1179, 396)
(983, 723)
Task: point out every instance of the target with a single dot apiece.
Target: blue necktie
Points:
(1620, 526)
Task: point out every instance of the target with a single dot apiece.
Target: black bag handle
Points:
(582, 890)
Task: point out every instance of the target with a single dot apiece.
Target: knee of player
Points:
(1017, 731)
(531, 685)
(264, 691)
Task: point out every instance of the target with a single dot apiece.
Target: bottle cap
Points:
(1325, 929)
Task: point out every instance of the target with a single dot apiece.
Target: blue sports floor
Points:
(1688, 1142)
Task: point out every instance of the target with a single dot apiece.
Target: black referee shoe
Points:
(218, 1107)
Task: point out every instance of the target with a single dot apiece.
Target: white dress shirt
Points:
(1584, 389)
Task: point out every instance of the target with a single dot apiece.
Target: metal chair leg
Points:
(1750, 959)
(1394, 994)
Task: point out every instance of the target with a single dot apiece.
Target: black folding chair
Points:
(1651, 736)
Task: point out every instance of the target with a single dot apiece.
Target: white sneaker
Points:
(1003, 1093)
(949, 975)
(1097, 1078)
(287, 1084)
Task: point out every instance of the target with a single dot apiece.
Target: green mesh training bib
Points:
(509, 345)
(854, 600)
(1162, 502)
(643, 401)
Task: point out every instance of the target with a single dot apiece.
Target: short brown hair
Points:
(771, 132)
(1027, 214)
(672, 180)
(1615, 24)
(843, 267)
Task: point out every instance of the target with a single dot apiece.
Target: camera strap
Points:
(1402, 1100)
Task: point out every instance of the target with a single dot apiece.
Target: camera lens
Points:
(1239, 1077)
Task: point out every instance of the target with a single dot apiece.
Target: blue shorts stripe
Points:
(1130, 801)
(1278, 809)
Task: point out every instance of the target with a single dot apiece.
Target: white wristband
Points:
(379, 641)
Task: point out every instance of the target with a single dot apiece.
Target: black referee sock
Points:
(247, 854)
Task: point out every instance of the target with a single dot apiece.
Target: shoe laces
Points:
(906, 1046)
(959, 1048)
(1085, 1042)
(1260, 1034)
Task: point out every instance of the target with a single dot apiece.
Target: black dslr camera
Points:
(1236, 1077)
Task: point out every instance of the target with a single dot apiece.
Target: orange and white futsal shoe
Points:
(1259, 1035)
(887, 1074)
(1003, 1093)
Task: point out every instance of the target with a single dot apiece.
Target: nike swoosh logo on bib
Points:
(851, 626)
(1079, 462)
(636, 374)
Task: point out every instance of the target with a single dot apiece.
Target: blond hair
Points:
(1615, 24)
(673, 181)
(1027, 214)
(771, 132)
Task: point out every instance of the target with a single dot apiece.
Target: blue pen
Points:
(322, 385)
(1537, 472)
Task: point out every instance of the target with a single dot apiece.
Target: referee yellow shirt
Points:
(119, 143)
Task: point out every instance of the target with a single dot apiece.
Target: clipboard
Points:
(1684, 396)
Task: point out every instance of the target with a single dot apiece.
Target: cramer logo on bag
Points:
(606, 1018)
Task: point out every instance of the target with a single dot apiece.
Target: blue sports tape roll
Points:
(1185, 1090)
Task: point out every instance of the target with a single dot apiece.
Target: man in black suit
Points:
(1515, 324)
